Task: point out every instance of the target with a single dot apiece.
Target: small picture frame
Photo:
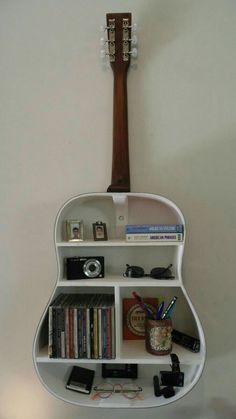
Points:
(74, 230)
(99, 231)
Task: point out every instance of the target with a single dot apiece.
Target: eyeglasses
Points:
(156, 273)
(128, 390)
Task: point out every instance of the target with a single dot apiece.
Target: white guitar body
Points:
(117, 210)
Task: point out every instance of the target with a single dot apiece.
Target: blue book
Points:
(154, 228)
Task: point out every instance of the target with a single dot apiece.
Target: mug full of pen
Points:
(158, 336)
(158, 330)
(158, 326)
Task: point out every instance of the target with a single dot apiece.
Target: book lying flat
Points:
(154, 237)
(154, 228)
(81, 380)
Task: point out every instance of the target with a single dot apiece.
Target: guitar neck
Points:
(120, 180)
(119, 46)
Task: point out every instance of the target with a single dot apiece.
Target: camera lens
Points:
(92, 268)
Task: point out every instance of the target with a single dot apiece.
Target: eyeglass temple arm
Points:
(117, 390)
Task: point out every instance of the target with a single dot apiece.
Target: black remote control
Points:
(188, 342)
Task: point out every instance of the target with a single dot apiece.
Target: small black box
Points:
(120, 370)
(81, 380)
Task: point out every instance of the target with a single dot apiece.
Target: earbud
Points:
(167, 392)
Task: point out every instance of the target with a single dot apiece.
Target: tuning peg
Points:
(103, 28)
(134, 52)
(133, 27)
(103, 53)
(103, 41)
(134, 40)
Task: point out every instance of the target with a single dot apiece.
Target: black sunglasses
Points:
(156, 273)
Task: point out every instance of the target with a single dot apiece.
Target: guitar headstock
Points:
(119, 40)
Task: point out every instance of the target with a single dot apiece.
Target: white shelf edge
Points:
(116, 401)
(120, 281)
(137, 347)
(186, 357)
(117, 243)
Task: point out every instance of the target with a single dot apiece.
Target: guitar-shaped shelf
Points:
(116, 209)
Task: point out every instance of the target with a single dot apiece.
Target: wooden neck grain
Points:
(120, 181)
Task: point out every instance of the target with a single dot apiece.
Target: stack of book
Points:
(154, 232)
(82, 326)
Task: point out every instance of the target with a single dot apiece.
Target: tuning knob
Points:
(133, 27)
(103, 53)
(134, 53)
(103, 28)
(134, 40)
(103, 41)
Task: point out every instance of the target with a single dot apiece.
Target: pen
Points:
(159, 311)
(168, 310)
(142, 304)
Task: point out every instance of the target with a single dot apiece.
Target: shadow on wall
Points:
(222, 409)
(201, 179)
(216, 409)
(185, 151)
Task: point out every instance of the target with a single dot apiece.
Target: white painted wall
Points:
(56, 137)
